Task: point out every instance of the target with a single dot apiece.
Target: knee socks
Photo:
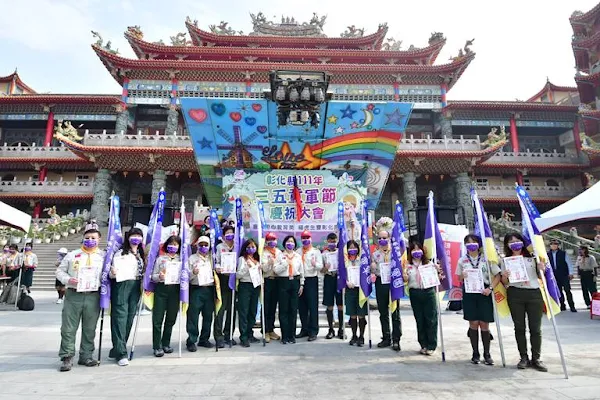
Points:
(485, 339)
(362, 323)
(474, 336)
(330, 319)
(354, 326)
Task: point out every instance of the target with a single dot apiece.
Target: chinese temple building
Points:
(73, 150)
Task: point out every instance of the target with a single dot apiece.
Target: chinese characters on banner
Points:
(453, 236)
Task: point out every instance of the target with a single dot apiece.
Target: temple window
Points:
(8, 178)
(482, 183)
(526, 183)
(81, 179)
(552, 183)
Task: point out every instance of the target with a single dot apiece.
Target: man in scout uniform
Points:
(82, 300)
(221, 332)
(308, 304)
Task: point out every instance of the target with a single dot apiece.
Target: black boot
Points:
(341, 325)
(485, 339)
(362, 323)
(331, 332)
(474, 336)
(353, 326)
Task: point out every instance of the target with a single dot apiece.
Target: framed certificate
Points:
(172, 272)
(332, 259)
(386, 272)
(255, 276)
(88, 279)
(429, 276)
(473, 281)
(205, 275)
(354, 276)
(228, 262)
(126, 268)
(517, 268)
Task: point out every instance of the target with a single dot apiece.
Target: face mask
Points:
(352, 252)
(27, 249)
(383, 242)
(417, 254)
(580, 252)
(229, 236)
(331, 246)
(472, 246)
(12, 251)
(6, 250)
(305, 242)
(90, 243)
(135, 241)
(172, 249)
(290, 246)
(251, 250)
(272, 243)
(515, 246)
(203, 249)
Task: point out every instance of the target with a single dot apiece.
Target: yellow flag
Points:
(500, 296)
(219, 299)
(148, 299)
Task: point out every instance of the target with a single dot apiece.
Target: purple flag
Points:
(215, 234)
(342, 275)
(365, 255)
(398, 252)
(184, 278)
(155, 226)
(239, 236)
(434, 245)
(115, 241)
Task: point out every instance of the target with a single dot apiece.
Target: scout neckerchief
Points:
(304, 251)
(250, 260)
(89, 254)
(386, 254)
(419, 279)
(476, 265)
(290, 259)
(27, 259)
(272, 250)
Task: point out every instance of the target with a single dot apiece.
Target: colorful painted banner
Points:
(453, 236)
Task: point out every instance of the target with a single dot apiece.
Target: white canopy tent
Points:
(14, 218)
(584, 208)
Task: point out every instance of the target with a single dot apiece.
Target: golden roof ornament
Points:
(65, 130)
(135, 31)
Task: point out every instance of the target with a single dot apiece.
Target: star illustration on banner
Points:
(348, 112)
(310, 160)
(205, 143)
(339, 130)
(354, 125)
(332, 119)
(394, 118)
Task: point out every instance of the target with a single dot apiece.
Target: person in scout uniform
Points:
(248, 293)
(308, 303)
(220, 332)
(586, 269)
(270, 257)
(60, 288)
(477, 307)
(13, 262)
(381, 260)
(80, 272)
(525, 300)
(202, 296)
(357, 313)
(290, 279)
(125, 294)
(330, 293)
(30, 263)
(166, 298)
(3, 256)
(423, 301)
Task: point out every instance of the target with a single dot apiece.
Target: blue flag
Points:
(184, 276)
(398, 253)
(239, 237)
(365, 259)
(115, 242)
(154, 227)
(215, 234)
(342, 275)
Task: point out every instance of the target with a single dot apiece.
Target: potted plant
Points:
(47, 236)
(78, 221)
(72, 225)
(3, 236)
(64, 227)
(16, 236)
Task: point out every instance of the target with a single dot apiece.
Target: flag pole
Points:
(232, 310)
(479, 215)
(369, 321)
(112, 195)
(137, 324)
(180, 318)
(343, 321)
(264, 321)
(439, 309)
(437, 289)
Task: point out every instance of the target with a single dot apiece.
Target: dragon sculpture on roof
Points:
(180, 40)
(100, 43)
(68, 131)
(135, 31)
(494, 138)
(588, 142)
(353, 32)
(223, 29)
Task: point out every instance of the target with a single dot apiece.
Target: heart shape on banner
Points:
(218, 108)
(261, 128)
(198, 114)
(250, 121)
(235, 116)
(256, 107)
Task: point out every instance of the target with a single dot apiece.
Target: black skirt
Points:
(477, 307)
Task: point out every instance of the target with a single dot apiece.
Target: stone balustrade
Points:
(37, 152)
(135, 140)
(446, 143)
(47, 187)
(508, 191)
(506, 157)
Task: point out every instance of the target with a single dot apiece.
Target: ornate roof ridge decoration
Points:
(581, 17)
(288, 26)
(463, 52)
(507, 105)
(581, 42)
(353, 32)
(100, 43)
(556, 88)
(180, 39)
(15, 77)
(62, 98)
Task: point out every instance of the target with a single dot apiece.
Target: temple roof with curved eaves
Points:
(581, 22)
(17, 79)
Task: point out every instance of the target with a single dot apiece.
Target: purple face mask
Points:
(352, 252)
(515, 246)
(472, 246)
(229, 236)
(135, 240)
(90, 243)
(383, 242)
(272, 243)
(331, 246)
(305, 242)
(172, 249)
(203, 249)
(27, 249)
(251, 250)
(6, 250)
(290, 246)
(417, 254)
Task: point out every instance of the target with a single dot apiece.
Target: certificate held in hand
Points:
(516, 267)
(354, 276)
(386, 273)
(228, 262)
(429, 276)
(332, 259)
(126, 268)
(255, 276)
(473, 281)
(88, 279)
(172, 272)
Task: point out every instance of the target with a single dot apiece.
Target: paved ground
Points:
(325, 369)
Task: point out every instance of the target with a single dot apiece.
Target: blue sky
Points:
(518, 43)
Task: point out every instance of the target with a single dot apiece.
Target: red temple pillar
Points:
(444, 91)
(514, 139)
(37, 210)
(576, 137)
(396, 91)
(519, 178)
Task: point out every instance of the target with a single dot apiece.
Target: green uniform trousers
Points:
(222, 332)
(124, 301)
(202, 300)
(166, 301)
(522, 303)
(423, 303)
(288, 306)
(308, 306)
(247, 306)
(382, 292)
(84, 307)
(588, 286)
(271, 295)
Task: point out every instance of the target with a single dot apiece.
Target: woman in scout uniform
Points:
(202, 296)
(3, 256)
(290, 279)
(270, 257)
(308, 303)
(422, 301)
(60, 288)
(330, 292)
(248, 293)
(525, 300)
(586, 268)
(30, 263)
(357, 314)
(166, 298)
(80, 306)
(221, 333)
(381, 259)
(125, 295)
(13, 262)
(477, 307)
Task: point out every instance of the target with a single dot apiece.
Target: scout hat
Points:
(271, 236)
(203, 239)
(305, 234)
